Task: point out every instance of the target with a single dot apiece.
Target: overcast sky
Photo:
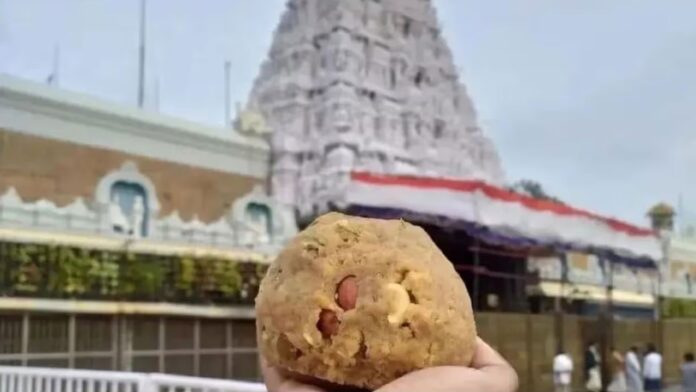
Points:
(595, 99)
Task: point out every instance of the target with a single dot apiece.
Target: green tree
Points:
(533, 189)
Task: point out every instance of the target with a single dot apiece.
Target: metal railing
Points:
(28, 379)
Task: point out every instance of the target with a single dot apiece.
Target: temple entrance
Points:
(495, 277)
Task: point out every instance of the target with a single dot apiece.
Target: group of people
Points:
(628, 372)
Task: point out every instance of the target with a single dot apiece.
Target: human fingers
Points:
(485, 356)
(271, 377)
(295, 386)
(487, 360)
(276, 381)
(489, 372)
(453, 379)
(436, 379)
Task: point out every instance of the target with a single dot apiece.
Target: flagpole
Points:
(52, 79)
(56, 65)
(228, 104)
(157, 95)
(141, 64)
(680, 214)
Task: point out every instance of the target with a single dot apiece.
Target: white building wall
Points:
(39, 110)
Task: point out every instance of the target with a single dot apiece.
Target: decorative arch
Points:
(257, 208)
(128, 177)
(260, 215)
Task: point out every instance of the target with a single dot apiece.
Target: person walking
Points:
(562, 371)
(688, 371)
(618, 373)
(652, 369)
(593, 376)
(634, 374)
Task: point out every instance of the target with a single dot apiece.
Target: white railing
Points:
(28, 379)
(169, 383)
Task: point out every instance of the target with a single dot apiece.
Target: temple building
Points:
(369, 116)
(130, 240)
(365, 86)
(123, 171)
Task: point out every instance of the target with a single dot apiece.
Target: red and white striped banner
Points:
(503, 211)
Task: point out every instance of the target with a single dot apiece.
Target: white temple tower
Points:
(365, 85)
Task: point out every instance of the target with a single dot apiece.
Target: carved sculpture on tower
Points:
(365, 86)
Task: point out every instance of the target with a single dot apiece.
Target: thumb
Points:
(488, 361)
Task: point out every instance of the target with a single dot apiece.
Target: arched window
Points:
(260, 216)
(132, 199)
(129, 201)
